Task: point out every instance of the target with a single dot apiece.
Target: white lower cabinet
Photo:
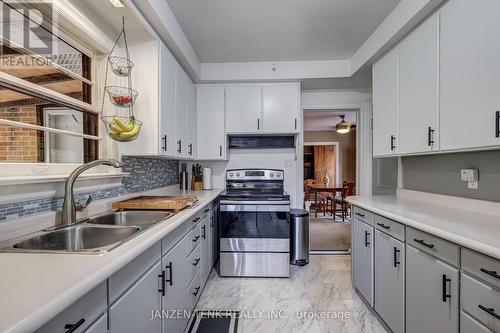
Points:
(133, 311)
(390, 281)
(470, 325)
(205, 248)
(362, 259)
(100, 326)
(175, 265)
(432, 294)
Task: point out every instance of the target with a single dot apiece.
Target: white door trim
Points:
(359, 101)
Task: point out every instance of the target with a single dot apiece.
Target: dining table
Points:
(319, 188)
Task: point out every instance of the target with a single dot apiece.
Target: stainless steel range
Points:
(255, 224)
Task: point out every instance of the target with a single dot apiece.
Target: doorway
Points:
(329, 176)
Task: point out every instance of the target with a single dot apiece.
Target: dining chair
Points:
(345, 207)
(310, 197)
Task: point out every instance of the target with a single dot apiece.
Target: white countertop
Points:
(36, 287)
(476, 230)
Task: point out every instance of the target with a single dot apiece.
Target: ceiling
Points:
(109, 19)
(325, 120)
(263, 30)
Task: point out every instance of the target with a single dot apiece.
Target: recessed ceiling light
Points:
(117, 3)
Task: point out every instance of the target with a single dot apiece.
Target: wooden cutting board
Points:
(175, 203)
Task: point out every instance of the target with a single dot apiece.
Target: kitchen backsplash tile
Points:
(146, 173)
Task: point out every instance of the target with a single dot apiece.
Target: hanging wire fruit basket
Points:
(122, 97)
(120, 66)
(121, 128)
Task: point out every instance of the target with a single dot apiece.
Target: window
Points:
(47, 112)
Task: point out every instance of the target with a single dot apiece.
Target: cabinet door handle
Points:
(490, 273)
(72, 327)
(195, 239)
(179, 146)
(384, 226)
(196, 219)
(444, 285)
(196, 261)
(421, 241)
(204, 236)
(396, 262)
(190, 151)
(211, 221)
(162, 283)
(220, 151)
(497, 124)
(258, 123)
(295, 123)
(490, 311)
(164, 142)
(366, 238)
(393, 146)
(197, 289)
(430, 133)
(361, 215)
(170, 274)
(206, 210)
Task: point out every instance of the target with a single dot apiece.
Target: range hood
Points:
(261, 141)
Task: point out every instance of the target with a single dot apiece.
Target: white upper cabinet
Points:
(181, 112)
(243, 109)
(211, 137)
(470, 74)
(166, 96)
(191, 123)
(281, 108)
(385, 104)
(418, 89)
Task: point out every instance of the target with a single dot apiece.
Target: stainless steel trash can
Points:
(299, 237)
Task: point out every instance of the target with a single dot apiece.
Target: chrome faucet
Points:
(70, 207)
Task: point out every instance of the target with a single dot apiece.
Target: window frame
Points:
(18, 84)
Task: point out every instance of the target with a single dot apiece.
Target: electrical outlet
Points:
(471, 176)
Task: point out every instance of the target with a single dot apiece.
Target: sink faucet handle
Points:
(82, 206)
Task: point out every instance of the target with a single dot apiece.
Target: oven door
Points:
(256, 228)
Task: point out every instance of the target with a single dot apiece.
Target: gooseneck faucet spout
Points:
(70, 207)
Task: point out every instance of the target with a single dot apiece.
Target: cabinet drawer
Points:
(390, 227)
(174, 236)
(484, 267)
(192, 239)
(194, 291)
(83, 312)
(481, 301)
(470, 325)
(363, 215)
(193, 264)
(128, 275)
(433, 245)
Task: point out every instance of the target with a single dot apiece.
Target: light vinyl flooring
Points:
(272, 305)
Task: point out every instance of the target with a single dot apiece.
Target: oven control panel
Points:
(254, 174)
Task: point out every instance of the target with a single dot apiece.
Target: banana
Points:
(114, 129)
(129, 135)
(124, 128)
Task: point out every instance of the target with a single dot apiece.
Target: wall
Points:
(19, 144)
(145, 174)
(347, 150)
(440, 173)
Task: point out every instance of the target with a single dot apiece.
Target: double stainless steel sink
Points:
(97, 235)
